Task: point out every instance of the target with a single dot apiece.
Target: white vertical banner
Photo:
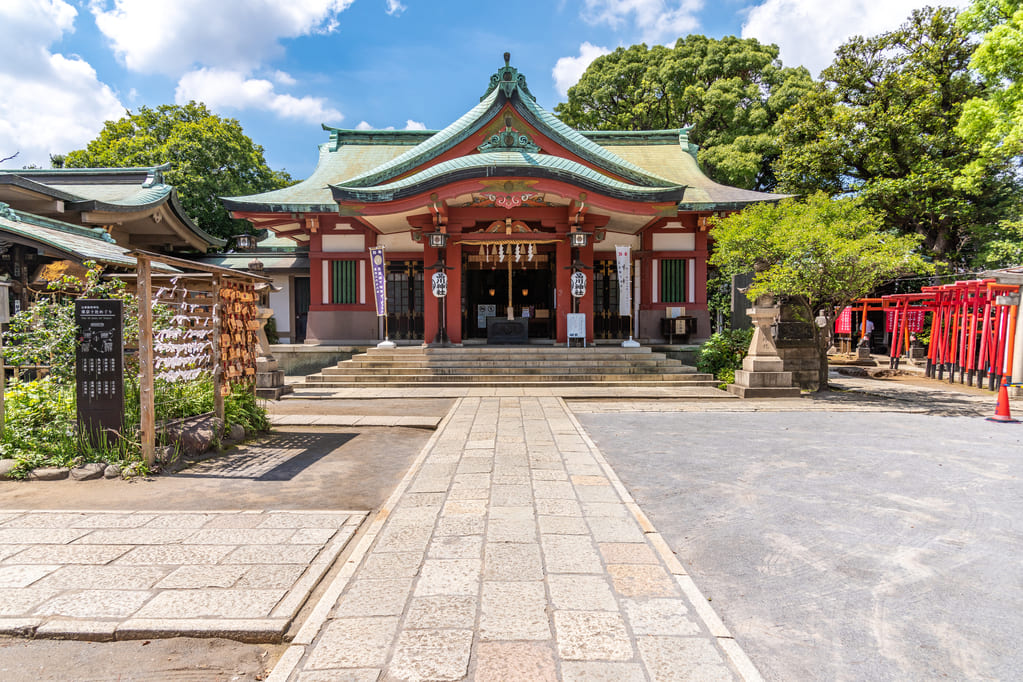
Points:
(623, 256)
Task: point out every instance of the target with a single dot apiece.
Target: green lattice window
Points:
(673, 280)
(344, 281)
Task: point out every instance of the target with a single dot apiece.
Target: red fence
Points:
(973, 325)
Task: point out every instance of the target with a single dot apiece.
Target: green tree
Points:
(994, 121)
(210, 157)
(730, 92)
(819, 255)
(881, 125)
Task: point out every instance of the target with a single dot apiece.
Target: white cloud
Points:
(414, 125)
(51, 103)
(653, 21)
(223, 89)
(394, 7)
(808, 31)
(364, 125)
(568, 70)
(283, 78)
(173, 37)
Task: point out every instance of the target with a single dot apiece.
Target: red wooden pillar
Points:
(563, 284)
(586, 302)
(431, 321)
(453, 259)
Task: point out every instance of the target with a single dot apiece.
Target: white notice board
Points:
(576, 326)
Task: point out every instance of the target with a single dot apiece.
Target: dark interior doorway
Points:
(485, 292)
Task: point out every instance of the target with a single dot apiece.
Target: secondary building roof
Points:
(134, 205)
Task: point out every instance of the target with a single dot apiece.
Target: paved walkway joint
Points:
(111, 575)
(512, 552)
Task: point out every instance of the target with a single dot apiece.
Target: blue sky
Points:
(283, 67)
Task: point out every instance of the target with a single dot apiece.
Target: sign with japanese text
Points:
(843, 323)
(915, 320)
(99, 366)
(623, 256)
(439, 282)
(379, 267)
(578, 284)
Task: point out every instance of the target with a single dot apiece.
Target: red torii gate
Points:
(973, 328)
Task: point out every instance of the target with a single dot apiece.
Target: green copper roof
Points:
(513, 163)
(507, 85)
(349, 153)
(79, 243)
(115, 190)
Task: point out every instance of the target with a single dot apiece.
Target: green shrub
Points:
(241, 407)
(39, 424)
(723, 353)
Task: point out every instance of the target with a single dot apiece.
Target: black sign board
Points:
(99, 366)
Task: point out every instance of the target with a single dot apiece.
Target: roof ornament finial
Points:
(7, 212)
(507, 79)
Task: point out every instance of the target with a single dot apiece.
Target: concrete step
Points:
(498, 371)
(321, 379)
(482, 366)
(511, 384)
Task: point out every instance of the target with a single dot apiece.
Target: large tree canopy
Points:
(730, 91)
(995, 120)
(821, 254)
(881, 125)
(210, 157)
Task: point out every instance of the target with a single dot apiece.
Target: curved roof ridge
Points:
(600, 154)
(533, 164)
(436, 144)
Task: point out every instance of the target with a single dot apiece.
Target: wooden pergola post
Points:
(147, 408)
(218, 370)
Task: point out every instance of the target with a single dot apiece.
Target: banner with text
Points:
(376, 258)
(623, 254)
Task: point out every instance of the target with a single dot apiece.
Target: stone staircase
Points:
(524, 366)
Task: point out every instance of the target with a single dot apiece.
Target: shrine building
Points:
(510, 203)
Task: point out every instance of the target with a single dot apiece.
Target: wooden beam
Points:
(218, 373)
(147, 408)
(199, 267)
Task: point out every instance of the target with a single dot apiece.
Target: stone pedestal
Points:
(863, 350)
(762, 374)
(270, 379)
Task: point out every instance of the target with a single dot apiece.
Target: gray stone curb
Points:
(291, 658)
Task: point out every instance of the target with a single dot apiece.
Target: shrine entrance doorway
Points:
(487, 288)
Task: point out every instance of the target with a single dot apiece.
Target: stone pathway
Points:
(108, 575)
(597, 390)
(511, 551)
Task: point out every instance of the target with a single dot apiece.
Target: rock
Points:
(6, 466)
(49, 474)
(236, 432)
(112, 471)
(88, 471)
(130, 470)
(194, 436)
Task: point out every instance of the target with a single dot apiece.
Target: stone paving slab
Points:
(511, 551)
(113, 575)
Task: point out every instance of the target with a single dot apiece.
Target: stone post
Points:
(762, 374)
(269, 378)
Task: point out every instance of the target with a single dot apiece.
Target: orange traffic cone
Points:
(1002, 406)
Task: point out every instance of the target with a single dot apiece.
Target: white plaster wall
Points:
(280, 303)
(674, 242)
(400, 242)
(344, 243)
(614, 240)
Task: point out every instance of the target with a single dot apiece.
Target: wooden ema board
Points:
(238, 327)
